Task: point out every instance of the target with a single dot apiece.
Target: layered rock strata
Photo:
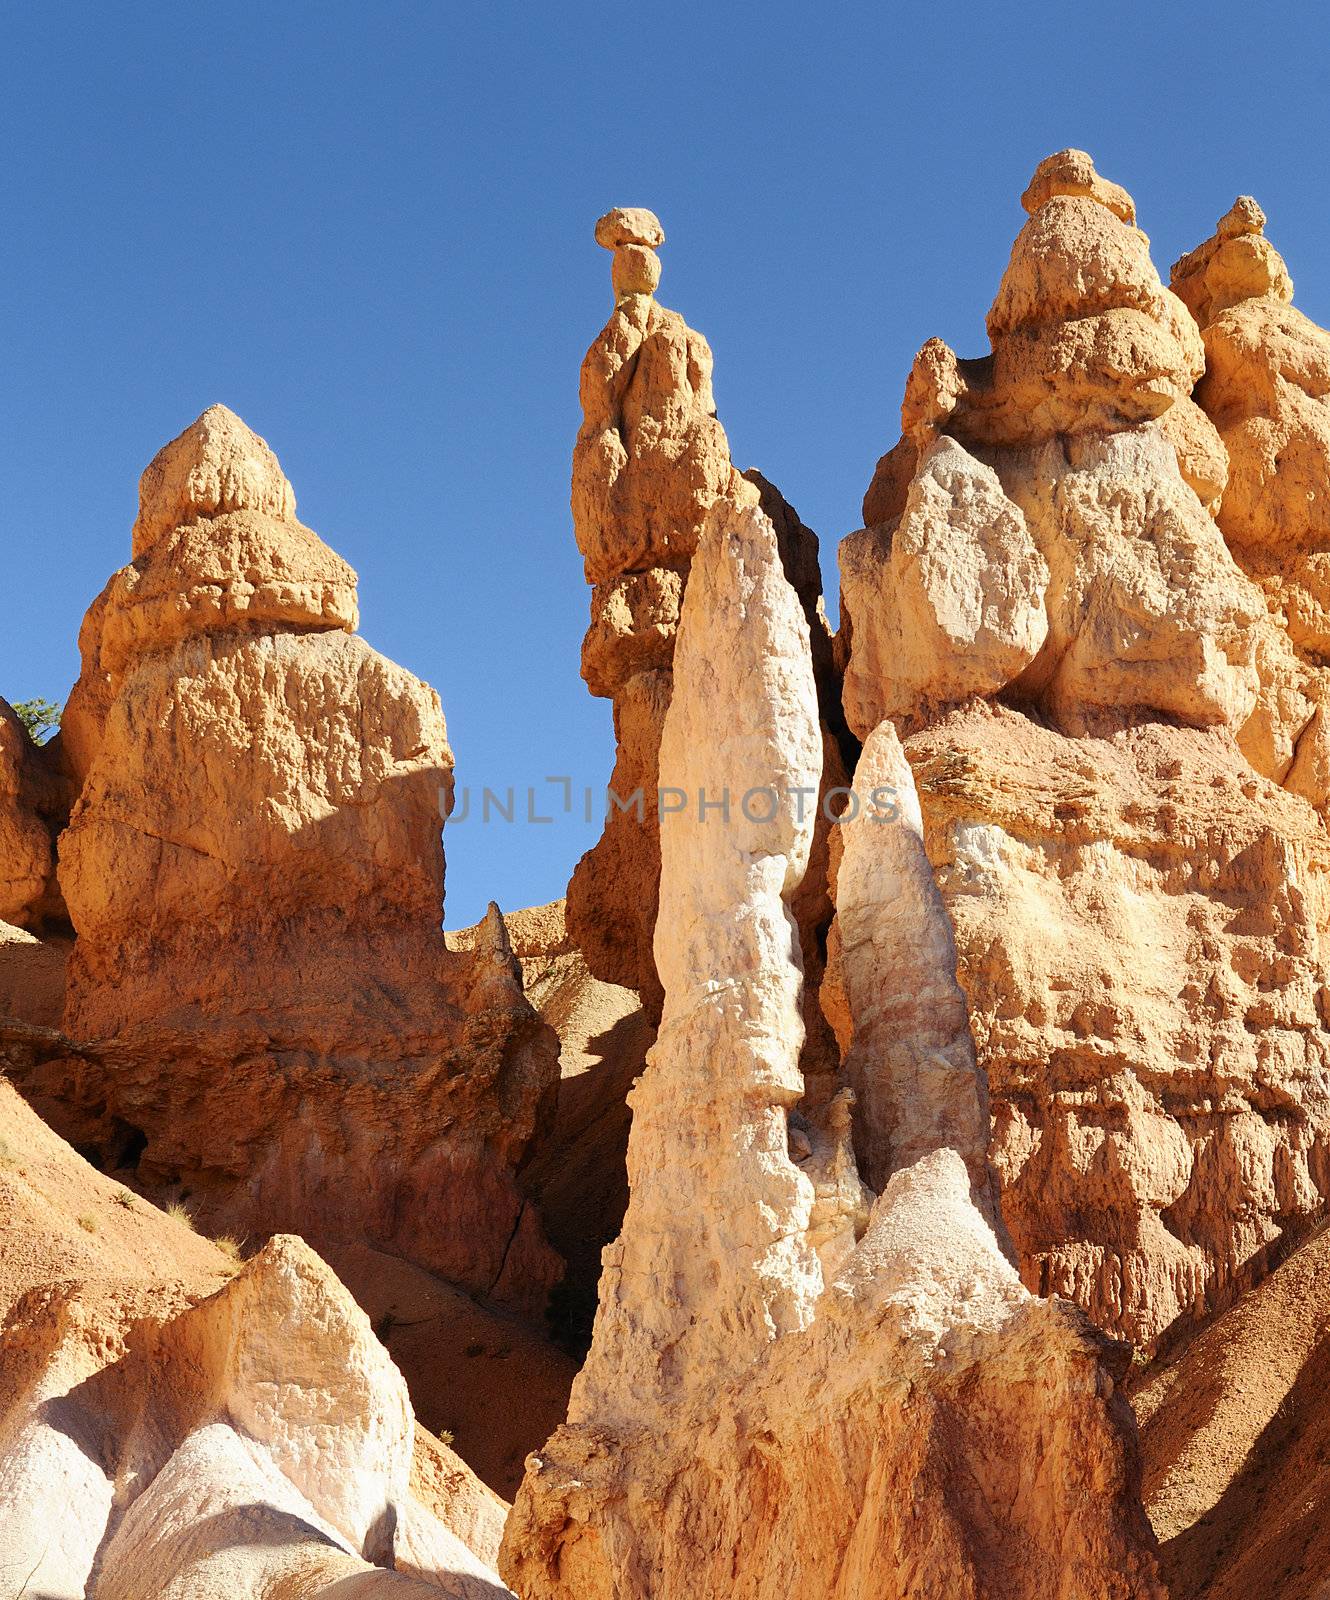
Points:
(254, 870)
(651, 459)
(769, 1397)
(1047, 609)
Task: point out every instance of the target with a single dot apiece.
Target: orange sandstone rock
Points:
(1060, 553)
(1234, 1435)
(1137, 921)
(1267, 391)
(27, 864)
(774, 1395)
(1082, 670)
(254, 870)
(651, 459)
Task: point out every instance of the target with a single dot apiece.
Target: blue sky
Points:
(367, 229)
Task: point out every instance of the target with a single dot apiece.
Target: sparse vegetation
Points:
(125, 1199)
(177, 1213)
(232, 1247)
(87, 1223)
(40, 717)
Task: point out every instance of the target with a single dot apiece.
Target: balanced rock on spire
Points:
(650, 461)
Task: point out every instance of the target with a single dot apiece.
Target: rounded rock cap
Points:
(629, 225)
(216, 465)
(1071, 172)
(1244, 216)
(1236, 263)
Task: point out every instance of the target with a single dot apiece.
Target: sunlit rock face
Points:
(1267, 391)
(786, 1365)
(650, 461)
(254, 870)
(1085, 666)
(175, 1422)
(1037, 529)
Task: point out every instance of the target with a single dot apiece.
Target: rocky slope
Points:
(1235, 1434)
(177, 1424)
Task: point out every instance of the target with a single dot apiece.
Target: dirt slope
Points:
(1236, 1439)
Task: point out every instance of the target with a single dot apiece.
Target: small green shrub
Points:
(40, 717)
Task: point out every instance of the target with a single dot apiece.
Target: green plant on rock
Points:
(40, 717)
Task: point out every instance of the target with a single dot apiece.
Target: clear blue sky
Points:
(367, 229)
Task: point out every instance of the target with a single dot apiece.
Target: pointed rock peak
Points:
(1071, 172)
(1078, 255)
(633, 233)
(216, 465)
(498, 971)
(1236, 263)
(494, 933)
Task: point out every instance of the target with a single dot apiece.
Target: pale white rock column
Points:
(914, 1423)
(713, 1261)
(911, 1059)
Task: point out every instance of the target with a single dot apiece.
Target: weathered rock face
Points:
(909, 1055)
(768, 1396)
(255, 873)
(950, 595)
(173, 1427)
(650, 461)
(27, 863)
(1267, 391)
(1046, 540)
(1137, 914)
(1137, 919)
